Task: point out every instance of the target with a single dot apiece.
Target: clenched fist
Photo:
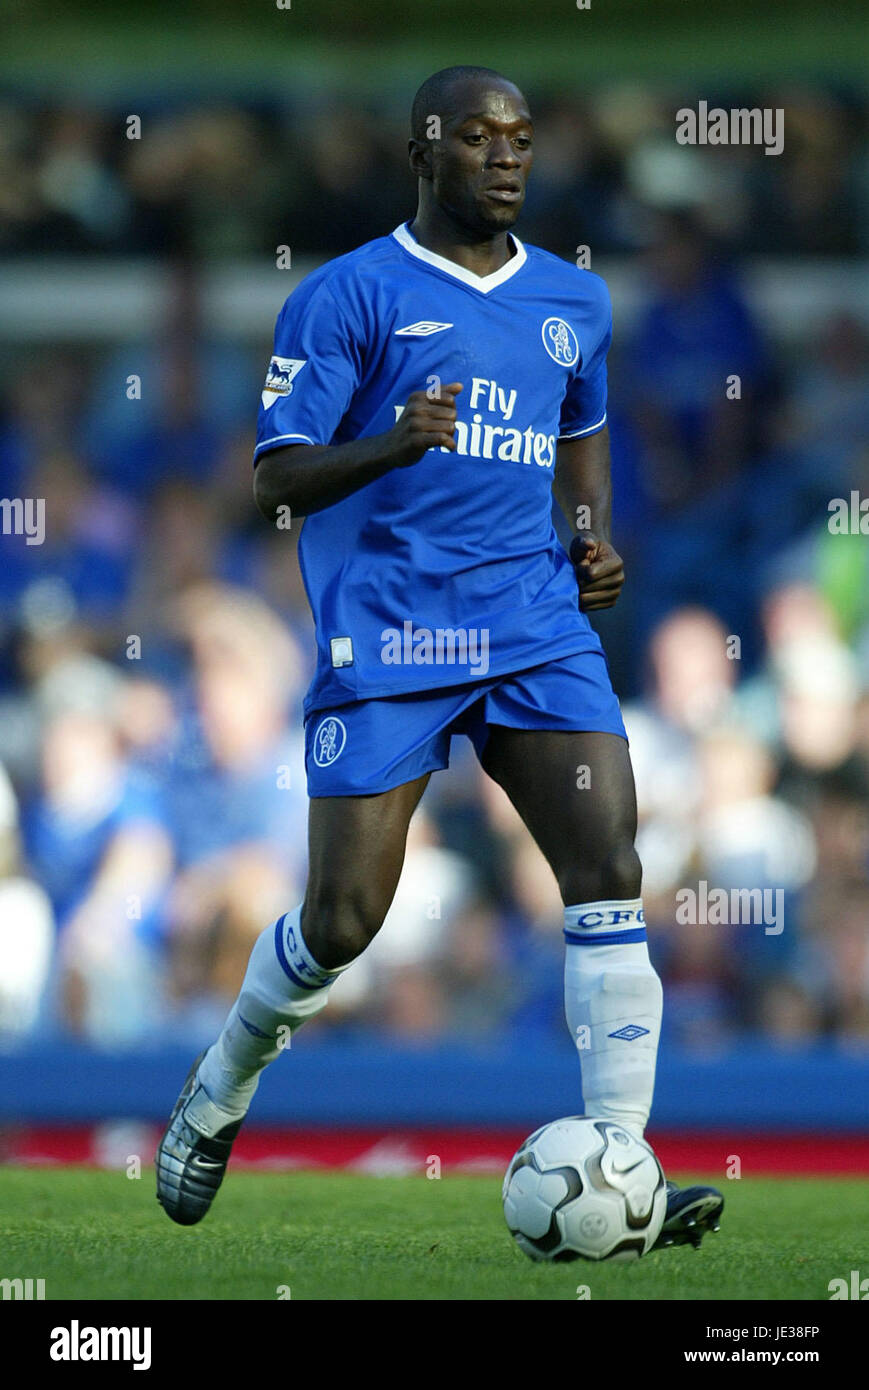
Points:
(599, 570)
(424, 424)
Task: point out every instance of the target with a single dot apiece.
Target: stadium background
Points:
(152, 795)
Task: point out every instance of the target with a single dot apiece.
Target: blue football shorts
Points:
(373, 745)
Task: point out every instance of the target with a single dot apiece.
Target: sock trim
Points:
(608, 912)
(610, 938)
(252, 1028)
(285, 964)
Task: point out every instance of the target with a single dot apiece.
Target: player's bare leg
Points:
(356, 853)
(355, 856)
(575, 792)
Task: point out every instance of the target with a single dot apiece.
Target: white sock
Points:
(613, 1003)
(282, 988)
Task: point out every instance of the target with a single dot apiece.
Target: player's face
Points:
(481, 163)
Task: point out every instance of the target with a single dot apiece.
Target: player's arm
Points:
(308, 477)
(583, 490)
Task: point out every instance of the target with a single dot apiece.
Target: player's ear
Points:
(419, 155)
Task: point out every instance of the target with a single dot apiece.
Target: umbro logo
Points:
(629, 1033)
(423, 329)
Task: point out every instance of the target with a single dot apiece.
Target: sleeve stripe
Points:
(590, 429)
(276, 439)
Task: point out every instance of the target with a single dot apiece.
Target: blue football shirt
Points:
(449, 570)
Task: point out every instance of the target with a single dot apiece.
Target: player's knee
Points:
(616, 873)
(338, 922)
(622, 871)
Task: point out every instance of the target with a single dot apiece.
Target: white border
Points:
(577, 434)
(589, 429)
(276, 438)
(484, 283)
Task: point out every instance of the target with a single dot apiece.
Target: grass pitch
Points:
(96, 1235)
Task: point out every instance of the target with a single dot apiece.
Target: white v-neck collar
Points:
(484, 283)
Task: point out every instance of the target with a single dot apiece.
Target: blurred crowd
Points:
(322, 173)
(155, 648)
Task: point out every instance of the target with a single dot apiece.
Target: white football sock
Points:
(282, 988)
(613, 1002)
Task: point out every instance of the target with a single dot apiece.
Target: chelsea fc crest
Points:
(560, 342)
(329, 741)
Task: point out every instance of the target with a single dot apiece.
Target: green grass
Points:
(94, 1235)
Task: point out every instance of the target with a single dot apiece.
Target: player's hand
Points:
(425, 423)
(600, 572)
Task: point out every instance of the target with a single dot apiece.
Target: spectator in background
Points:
(748, 838)
(36, 423)
(203, 183)
(182, 526)
(482, 988)
(161, 410)
(88, 545)
(691, 683)
(345, 155)
(704, 981)
(828, 982)
(818, 703)
(235, 792)
(77, 181)
(60, 190)
(798, 626)
(847, 944)
(818, 453)
(705, 811)
(207, 179)
(96, 841)
(695, 335)
(824, 414)
(694, 374)
(26, 930)
(805, 203)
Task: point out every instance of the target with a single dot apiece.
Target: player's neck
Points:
(481, 255)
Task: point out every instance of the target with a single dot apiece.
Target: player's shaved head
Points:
(435, 96)
(471, 151)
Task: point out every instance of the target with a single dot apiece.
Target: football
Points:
(584, 1189)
